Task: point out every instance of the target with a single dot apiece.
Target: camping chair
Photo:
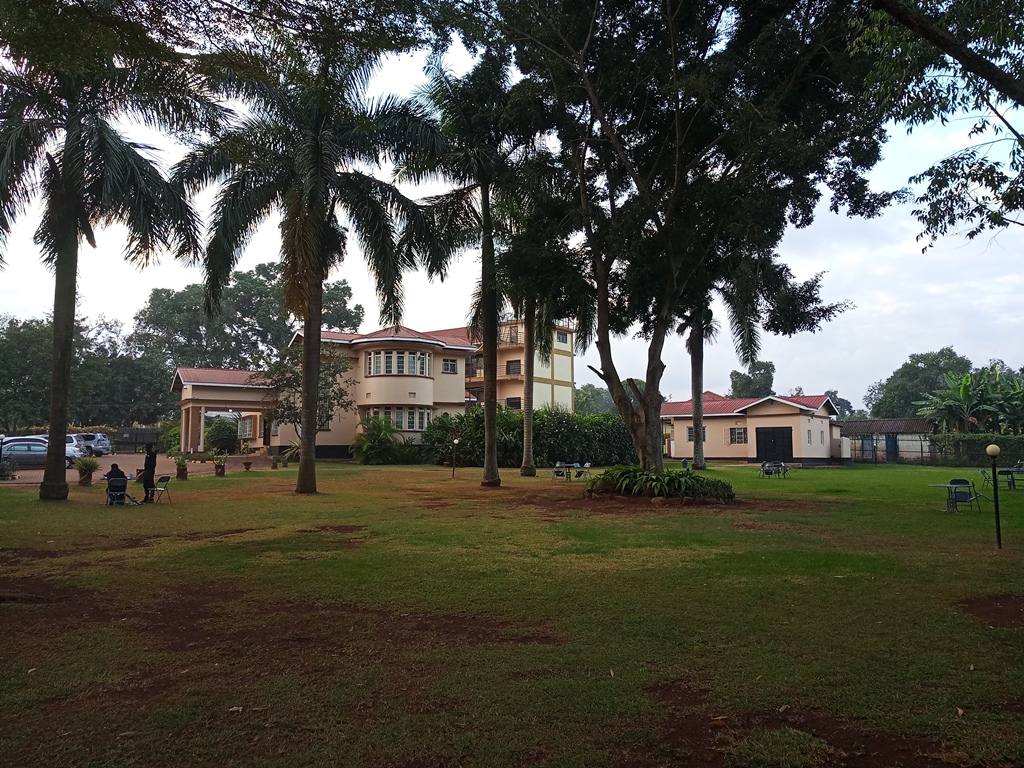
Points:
(769, 469)
(560, 470)
(161, 488)
(583, 471)
(781, 470)
(964, 493)
(117, 492)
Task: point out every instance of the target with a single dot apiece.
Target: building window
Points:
(737, 435)
(423, 364)
(376, 363)
(400, 363)
(449, 365)
(809, 437)
(514, 368)
(399, 416)
(323, 420)
(703, 434)
(388, 363)
(562, 337)
(275, 428)
(514, 403)
(411, 424)
(369, 363)
(423, 418)
(245, 425)
(387, 413)
(823, 437)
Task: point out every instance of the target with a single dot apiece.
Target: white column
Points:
(184, 428)
(202, 429)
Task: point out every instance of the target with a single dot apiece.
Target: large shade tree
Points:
(60, 143)
(300, 150)
(692, 126)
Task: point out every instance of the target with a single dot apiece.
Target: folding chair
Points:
(583, 471)
(161, 488)
(967, 495)
(117, 493)
(559, 470)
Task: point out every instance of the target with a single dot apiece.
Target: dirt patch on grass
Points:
(695, 733)
(761, 525)
(34, 600)
(178, 618)
(14, 554)
(1005, 611)
(334, 529)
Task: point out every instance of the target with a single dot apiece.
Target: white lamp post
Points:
(455, 454)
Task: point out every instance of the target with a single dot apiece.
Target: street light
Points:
(993, 451)
(455, 453)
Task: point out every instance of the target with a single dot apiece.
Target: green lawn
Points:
(402, 618)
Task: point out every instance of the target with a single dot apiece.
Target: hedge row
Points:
(602, 439)
(968, 450)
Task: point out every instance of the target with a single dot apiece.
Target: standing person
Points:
(149, 473)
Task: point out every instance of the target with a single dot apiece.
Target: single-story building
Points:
(791, 428)
(890, 440)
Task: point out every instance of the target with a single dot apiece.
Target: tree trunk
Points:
(529, 327)
(695, 346)
(55, 479)
(311, 325)
(643, 420)
(489, 310)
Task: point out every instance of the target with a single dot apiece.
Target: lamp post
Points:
(993, 451)
(455, 454)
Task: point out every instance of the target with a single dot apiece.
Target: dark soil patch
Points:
(759, 525)
(1005, 611)
(694, 730)
(26, 553)
(334, 529)
(30, 600)
(197, 536)
(178, 619)
(777, 505)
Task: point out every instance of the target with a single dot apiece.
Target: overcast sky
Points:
(964, 294)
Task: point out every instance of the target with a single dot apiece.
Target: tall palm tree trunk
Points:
(311, 325)
(489, 309)
(695, 346)
(55, 479)
(529, 327)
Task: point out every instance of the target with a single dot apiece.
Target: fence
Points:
(133, 440)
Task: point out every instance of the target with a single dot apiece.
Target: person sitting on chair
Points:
(115, 472)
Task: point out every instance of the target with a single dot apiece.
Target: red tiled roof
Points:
(716, 405)
(460, 334)
(391, 332)
(224, 377)
(337, 336)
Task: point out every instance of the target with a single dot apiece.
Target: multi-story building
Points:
(405, 375)
(554, 380)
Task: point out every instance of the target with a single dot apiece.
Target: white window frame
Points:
(738, 436)
(376, 363)
(561, 337)
(400, 363)
(389, 363)
(703, 433)
(449, 365)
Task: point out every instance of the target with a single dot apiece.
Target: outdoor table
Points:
(950, 503)
(1011, 479)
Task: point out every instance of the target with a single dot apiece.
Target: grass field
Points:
(402, 618)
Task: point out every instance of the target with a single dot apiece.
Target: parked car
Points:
(72, 448)
(95, 443)
(26, 454)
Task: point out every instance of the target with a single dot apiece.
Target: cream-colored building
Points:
(799, 429)
(554, 380)
(405, 375)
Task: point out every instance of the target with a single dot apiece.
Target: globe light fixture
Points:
(993, 451)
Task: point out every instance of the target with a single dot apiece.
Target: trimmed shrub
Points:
(222, 435)
(170, 440)
(960, 449)
(673, 483)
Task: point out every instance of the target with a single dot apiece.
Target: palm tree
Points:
(485, 144)
(58, 141)
(298, 152)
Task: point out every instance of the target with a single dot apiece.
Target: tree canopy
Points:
(895, 397)
(758, 381)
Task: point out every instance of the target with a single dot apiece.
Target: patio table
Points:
(950, 502)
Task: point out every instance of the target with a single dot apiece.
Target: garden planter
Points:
(218, 470)
(247, 465)
(85, 478)
(273, 464)
(182, 473)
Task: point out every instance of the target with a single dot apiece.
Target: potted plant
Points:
(181, 465)
(219, 462)
(86, 466)
(291, 453)
(247, 465)
(273, 461)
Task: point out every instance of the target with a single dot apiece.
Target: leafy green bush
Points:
(958, 449)
(222, 435)
(170, 440)
(376, 443)
(673, 483)
(87, 465)
(602, 439)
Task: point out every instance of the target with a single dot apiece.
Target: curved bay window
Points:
(391, 362)
(406, 418)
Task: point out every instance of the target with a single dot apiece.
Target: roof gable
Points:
(717, 405)
(217, 377)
